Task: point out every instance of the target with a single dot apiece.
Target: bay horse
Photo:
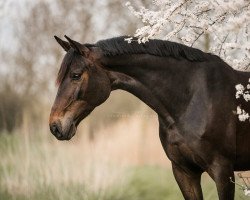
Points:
(192, 92)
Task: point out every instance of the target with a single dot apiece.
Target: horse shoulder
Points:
(206, 125)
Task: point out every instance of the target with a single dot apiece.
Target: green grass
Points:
(143, 183)
(35, 167)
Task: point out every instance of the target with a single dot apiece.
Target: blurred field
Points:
(125, 162)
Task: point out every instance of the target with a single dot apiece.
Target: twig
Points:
(231, 180)
(204, 11)
(197, 38)
(222, 43)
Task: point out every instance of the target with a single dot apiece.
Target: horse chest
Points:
(180, 151)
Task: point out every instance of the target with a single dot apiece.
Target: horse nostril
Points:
(55, 130)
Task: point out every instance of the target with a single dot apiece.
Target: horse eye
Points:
(75, 76)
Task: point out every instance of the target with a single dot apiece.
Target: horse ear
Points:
(65, 45)
(80, 48)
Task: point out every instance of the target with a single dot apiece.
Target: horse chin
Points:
(71, 131)
(81, 117)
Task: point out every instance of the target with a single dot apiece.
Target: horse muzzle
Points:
(62, 133)
(63, 125)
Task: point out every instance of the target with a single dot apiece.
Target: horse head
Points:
(82, 85)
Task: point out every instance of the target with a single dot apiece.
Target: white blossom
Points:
(242, 114)
(238, 111)
(244, 92)
(246, 96)
(239, 87)
(186, 21)
(129, 39)
(239, 90)
(247, 192)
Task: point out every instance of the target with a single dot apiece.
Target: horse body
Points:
(193, 94)
(203, 134)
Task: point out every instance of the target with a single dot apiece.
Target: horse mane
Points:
(118, 46)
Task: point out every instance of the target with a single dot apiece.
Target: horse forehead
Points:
(76, 64)
(77, 61)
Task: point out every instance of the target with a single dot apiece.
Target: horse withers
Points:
(192, 92)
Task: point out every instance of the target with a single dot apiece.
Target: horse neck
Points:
(154, 80)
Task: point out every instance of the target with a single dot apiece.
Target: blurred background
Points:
(116, 153)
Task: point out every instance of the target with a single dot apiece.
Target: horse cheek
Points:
(98, 90)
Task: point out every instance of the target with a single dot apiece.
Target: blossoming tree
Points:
(187, 21)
